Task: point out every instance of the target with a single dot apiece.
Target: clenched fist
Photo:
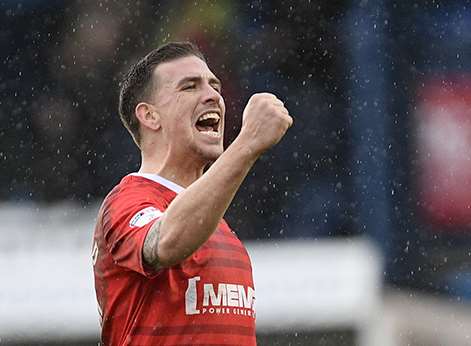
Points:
(264, 122)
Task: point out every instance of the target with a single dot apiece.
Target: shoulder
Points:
(137, 187)
(131, 204)
(133, 191)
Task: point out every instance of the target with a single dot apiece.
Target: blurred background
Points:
(372, 184)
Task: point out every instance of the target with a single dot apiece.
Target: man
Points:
(168, 269)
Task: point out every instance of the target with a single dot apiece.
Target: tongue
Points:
(204, 128)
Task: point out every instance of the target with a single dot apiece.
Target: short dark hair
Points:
(138, 84)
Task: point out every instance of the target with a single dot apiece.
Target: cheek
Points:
(177, 112)
(222, 104)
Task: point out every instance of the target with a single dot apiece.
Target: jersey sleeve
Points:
(126, 220)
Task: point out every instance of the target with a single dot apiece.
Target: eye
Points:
(217, 87)
(189, 86)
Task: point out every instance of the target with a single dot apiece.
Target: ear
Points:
(147, 116)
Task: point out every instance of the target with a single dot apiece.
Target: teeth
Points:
(209, 116)
(211, 133)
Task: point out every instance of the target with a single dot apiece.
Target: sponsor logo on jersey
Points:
(144, 216)
(221, 298)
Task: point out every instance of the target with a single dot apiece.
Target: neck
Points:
(181, 172)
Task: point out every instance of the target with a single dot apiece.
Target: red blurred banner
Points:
(443, 116)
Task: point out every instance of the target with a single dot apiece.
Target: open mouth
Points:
(208, 123)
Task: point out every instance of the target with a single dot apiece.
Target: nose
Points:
(211, 95)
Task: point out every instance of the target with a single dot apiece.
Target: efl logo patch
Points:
(144, 216)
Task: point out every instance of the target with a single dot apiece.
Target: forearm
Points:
(195, 213)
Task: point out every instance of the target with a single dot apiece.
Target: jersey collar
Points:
(161, 180)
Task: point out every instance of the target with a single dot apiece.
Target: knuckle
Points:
(252, 98)
(266, 104)
(282, 111)
(259, 95)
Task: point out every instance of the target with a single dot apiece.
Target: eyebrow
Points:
(196, 79)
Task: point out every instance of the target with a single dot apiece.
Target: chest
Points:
(222, 258)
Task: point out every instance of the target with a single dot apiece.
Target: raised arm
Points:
(195, 213)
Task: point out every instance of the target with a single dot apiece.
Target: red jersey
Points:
(208, 299)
